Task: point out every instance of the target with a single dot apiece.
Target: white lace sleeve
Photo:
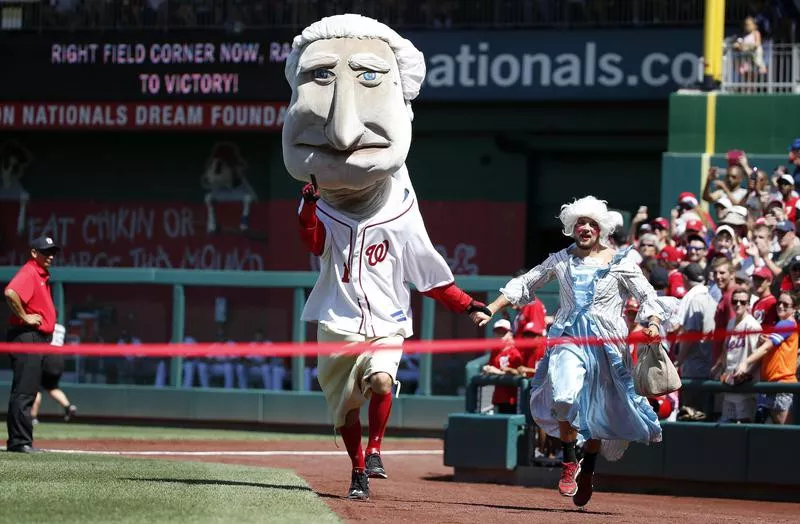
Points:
(638, 286)
(519, 290)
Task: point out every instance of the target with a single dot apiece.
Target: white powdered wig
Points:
(589, 207)
(410, 60)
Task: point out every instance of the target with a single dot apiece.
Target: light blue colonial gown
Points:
(590, 386)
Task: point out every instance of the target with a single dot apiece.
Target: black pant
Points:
(24, 386)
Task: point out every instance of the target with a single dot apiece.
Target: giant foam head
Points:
(349, 119)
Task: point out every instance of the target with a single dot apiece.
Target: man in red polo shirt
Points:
(32, 321)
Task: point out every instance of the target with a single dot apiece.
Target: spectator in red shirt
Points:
(765, 309)
(785, 185)
(533, 313)
(504, 361)
(32, 321)
(546, 446)
(531, 355)
(670, 259)
(660, 227)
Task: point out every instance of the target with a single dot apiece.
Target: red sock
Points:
(351, 435)
(379, 408)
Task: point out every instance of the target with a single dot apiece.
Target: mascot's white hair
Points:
(589, 207)
(410, 60)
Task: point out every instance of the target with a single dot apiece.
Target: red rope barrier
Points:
(291, 349)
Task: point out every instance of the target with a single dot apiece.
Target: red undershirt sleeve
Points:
(312, 230)
(453, 297)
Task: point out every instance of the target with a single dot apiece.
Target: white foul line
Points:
(240, 453)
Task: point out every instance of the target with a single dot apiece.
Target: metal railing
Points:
(238, 14)
(473, 395)
(771, 68)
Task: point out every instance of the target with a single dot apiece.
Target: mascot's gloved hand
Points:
(310, 191)
(478, 306)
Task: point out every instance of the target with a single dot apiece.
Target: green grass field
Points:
(48, 488)
(62, 431)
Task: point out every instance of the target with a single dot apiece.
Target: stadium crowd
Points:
(237, 14)
(738, 272)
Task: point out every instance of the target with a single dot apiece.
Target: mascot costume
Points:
(346, 134)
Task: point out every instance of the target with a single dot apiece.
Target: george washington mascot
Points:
(346, 135)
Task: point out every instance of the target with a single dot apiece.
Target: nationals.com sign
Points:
(153, 115)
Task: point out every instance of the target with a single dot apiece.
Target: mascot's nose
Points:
(343, 128)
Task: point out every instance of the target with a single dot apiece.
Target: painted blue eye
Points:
(370, 76)
(323, 74)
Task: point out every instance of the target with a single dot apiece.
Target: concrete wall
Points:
(409, 412)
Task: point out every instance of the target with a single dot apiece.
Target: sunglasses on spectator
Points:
(785, 304)
(736, 302)
(695, 248)
(647, 245)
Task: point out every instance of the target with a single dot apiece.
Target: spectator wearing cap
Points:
(696, 312)
(774, 212)
(722, 206)
(788, 195)
(696, 250)
(727, 185)
(736, 218)
(670, 259)
(531, 356)
(660, 227)
(534, 312)
(725, 244)
(765, 309)
(656, 275)
(504, 361)
(32, 321)
(694, 227)
(687, 211)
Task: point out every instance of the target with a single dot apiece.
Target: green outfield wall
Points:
(703, 127)
(241, 407)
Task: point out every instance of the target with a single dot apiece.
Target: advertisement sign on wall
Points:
(187, 116)
(213, 80)
(145, 66)
(558, 65)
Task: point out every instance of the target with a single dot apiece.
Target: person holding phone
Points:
(728, 183)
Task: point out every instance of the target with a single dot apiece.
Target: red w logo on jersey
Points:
(377, 252)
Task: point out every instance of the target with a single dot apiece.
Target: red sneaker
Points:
(568, 485)
(584, 493)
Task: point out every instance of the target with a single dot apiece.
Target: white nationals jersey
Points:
(366, 266)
